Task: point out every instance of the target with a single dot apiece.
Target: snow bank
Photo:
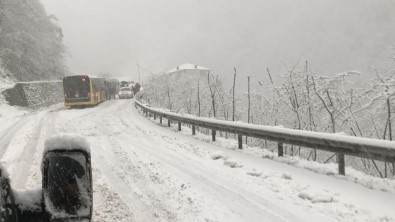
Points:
(232, 163)
(287, 176)
(371, 182)
(66, 141)
(254, 173)
(330, 169)
(28, 200)
(317, 197)
(216, 156)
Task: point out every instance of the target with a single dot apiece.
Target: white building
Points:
(188, 71)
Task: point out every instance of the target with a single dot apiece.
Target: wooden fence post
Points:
(240, 139)
(179, 126)
(280, 149)
(213, 132)
(341, 164)
(193, 130)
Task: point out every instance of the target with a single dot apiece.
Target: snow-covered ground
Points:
(147, 172)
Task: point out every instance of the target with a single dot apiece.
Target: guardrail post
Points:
(240, 139)
(179, 126)
(154, 116)
(160, 120)
(213, 132)
(280, 149)
(150, 114)
(168, 122)
(341, 163)
(193, 130)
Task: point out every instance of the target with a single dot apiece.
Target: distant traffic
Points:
(84, 90)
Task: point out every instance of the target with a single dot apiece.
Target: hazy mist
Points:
(115, 35)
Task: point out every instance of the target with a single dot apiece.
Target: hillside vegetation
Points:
(304, 100)
(31, 45)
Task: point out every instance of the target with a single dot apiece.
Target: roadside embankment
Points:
(35, 94)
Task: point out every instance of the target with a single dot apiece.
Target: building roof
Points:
(187, 66)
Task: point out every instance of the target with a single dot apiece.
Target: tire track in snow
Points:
(129, 197)
(149, 147)
(27, 157)
(242, 203)
(142, 191)
(107, 205)
(34, 178)
(128, 173)
(110, 187)
(8, 134)
(237, 198)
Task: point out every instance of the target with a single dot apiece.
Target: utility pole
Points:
(249, 105)
(233, 101)
(249, 101)
(261, 84)
(138, 69)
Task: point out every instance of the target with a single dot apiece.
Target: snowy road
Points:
(146, 172)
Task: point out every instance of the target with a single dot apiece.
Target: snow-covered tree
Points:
(31, 45)
(200, 96)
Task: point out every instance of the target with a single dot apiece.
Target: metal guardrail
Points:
(382, 150)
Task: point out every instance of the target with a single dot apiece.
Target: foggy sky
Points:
(335, 36)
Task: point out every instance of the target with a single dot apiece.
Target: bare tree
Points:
(212, 93)
(198, 97)
(168, 92)
(233, 91)
(249, 100)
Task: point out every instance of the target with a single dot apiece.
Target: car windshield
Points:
(202, 110)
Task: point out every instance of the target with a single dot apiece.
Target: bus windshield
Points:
(76, 87)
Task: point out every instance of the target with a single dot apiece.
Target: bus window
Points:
(76, 87)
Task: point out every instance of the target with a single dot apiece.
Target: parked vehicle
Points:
(125, 93)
